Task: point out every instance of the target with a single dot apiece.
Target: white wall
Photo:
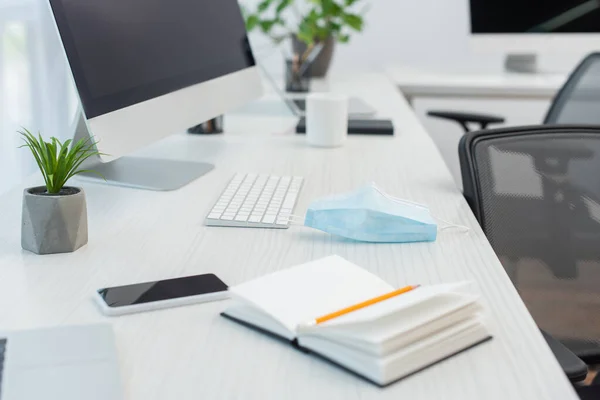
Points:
(424, 33)
(416, 32)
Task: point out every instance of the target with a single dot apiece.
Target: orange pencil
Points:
(364, 304)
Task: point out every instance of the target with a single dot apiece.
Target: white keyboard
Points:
(256, 201)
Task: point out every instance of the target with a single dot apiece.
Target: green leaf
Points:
(343, 38)
(32, 144)
(312, 17)
(335, 27)
(87, 171)
(322, 33)
(331, 8)
(56, 160)
(354, 21)
(282, 6)
(264, 5)
(251, 22)
(267, 25)
(306, 33)
(349, 3)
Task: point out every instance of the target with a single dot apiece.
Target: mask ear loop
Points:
(449, 225)
(397, 199)
(295, 219)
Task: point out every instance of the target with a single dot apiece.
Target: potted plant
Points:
(307, 22)
(54, 218)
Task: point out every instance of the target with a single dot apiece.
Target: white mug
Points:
(326, 119)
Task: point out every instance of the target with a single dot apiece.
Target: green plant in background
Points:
(57, 162)
(311, 21)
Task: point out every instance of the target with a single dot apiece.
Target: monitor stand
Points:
(141, 173)
(521, 63)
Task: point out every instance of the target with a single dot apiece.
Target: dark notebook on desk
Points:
(359, 127)
(382, 343)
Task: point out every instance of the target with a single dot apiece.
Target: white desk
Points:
(193, 353)
(414, 82)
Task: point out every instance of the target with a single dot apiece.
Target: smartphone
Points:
(148, 296)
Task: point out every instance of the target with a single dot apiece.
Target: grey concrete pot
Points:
(53, 223)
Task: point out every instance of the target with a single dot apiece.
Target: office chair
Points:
(577, 102)
(591, 392)
(536, 194)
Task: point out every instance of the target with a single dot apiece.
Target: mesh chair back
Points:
(578, 102)
(536, 193)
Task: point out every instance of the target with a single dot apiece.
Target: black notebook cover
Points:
(295, 344)
(360, 127)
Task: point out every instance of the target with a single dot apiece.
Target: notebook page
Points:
(302, 293)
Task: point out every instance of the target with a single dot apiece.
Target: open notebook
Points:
(383, 342)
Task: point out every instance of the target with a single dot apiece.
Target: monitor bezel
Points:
(98, 106)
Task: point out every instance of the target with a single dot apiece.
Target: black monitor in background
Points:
(535, 16)
(569, 29)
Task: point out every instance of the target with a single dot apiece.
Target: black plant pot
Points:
(321, 64)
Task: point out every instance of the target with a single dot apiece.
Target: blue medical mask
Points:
(370, 215)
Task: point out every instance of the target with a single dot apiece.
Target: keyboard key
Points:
(258, 199)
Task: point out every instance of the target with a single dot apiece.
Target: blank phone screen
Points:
(149, 292)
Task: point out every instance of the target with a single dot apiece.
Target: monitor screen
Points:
(123, 52)
(535, 16)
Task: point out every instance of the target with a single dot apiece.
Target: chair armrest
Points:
(574, 367)
(464, 118)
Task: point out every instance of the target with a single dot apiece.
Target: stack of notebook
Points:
(341, 312)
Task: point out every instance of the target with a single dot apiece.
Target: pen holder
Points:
(293, 81)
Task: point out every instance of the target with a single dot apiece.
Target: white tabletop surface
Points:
(415, 82)
(134, 235)
(191, 352)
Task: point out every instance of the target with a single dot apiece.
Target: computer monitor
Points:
(524, 28)
(145, 69)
